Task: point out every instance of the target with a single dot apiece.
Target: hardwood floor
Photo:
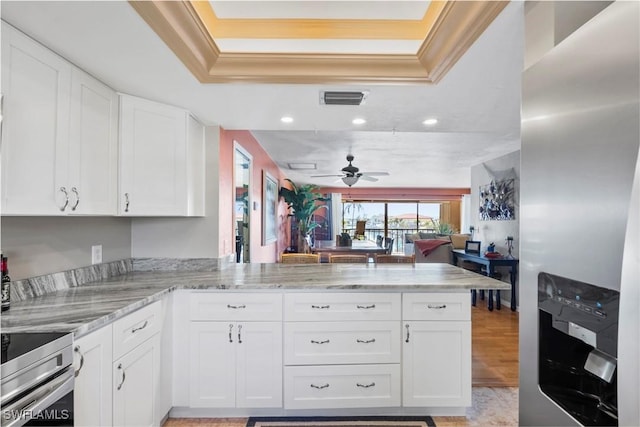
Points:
(494, 375)
(494, 349)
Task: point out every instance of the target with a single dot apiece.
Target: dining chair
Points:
(349, 259)
(379, 240)
(300, 259)
(388, 245)
(395, 259)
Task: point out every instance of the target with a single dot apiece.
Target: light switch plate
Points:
(96, 254)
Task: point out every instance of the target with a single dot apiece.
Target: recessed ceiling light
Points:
(301, 166)
(430, 122)
(358, 121)
(286, 119)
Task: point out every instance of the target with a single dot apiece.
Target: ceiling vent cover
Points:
(342, 98)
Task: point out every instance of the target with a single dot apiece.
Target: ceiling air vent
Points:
(342, 98)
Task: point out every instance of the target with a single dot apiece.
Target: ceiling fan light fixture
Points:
(358, 121)
(350, 180)
(430, 122)
(286, 119)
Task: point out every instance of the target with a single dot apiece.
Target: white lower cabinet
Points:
(235, 364)
(92, 397)
(135, 385)
(342, 386)
(436, 363)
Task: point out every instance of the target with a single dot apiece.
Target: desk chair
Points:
(395, 259)
(300, 259)
(349, 259)
(388, 245)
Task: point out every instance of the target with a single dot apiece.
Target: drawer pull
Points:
(66, 199)
(236, 307)
(320, 342)
(319, 387)
(322, 307)
(407, 326)
(366, 385)
(239, 334)
(437, 307)
(366, 307)
(366, 341)
(144, 325)
(230, 332)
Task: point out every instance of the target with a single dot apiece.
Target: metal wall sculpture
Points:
(497, 201)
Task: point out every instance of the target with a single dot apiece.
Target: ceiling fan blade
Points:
(324, 176)
(368, 178)
(376, 173)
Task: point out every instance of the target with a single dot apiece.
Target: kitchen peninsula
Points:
(268, 339)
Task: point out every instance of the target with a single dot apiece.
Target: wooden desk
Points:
(491, 263)
(359, 247)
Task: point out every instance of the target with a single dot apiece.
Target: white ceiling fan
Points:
(351, 174)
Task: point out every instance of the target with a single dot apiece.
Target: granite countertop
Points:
(92, 305)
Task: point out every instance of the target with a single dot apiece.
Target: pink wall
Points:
(261, 161)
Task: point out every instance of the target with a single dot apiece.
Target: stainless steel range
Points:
(37, 379)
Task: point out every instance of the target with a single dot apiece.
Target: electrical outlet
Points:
(96, 254)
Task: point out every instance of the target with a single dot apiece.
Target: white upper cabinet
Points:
(59, 133)
(93, 165)
(161, 160)
(35, 129)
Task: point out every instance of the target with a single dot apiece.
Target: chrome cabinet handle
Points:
(126, 202)
(74, 190)
(239, 334)
(437, 307)
(230, 332)
(66, 199)
(124, 376)
(144, 325)
(322, 307)
(320, 342)
(372, 384)
(320, 387)
(77, 350)
(366, 307)
(366, 341)
(407, 326)
(236, 307)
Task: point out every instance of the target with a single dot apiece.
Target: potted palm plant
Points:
(302, 202)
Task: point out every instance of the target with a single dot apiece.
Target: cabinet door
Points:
(436, 364)
(35, 128)
(92, 399)
(212, 364)
(153, 179)
(93, 160)
(135, 383)
(259, 365)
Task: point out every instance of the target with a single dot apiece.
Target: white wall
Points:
(505, 167)
(184, 237)
(43, 245)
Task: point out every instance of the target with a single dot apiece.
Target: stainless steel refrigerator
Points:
(579, 218)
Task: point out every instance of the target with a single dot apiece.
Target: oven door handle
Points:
(18, 413)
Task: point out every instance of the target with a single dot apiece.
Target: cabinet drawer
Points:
(341, 386)
(318, 343)
(135, 328)
(436, 306)
(235, 306)
(302, 307)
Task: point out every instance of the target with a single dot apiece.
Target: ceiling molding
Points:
(451, 27)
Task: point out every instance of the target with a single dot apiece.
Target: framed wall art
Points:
(269, 208)
(497, 201)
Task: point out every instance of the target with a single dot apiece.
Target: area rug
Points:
(381, 421)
